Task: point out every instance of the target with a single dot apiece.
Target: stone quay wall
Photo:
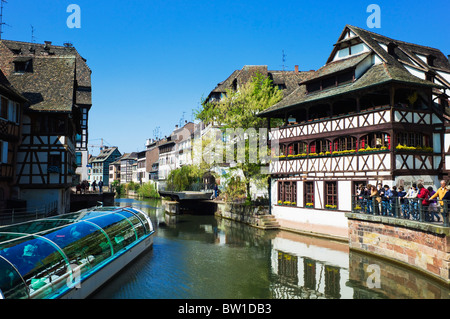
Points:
(425, 247)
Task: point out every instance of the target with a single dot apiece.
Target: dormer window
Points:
(430, 60)
(391, 48)
(331, 81)
(22, 65)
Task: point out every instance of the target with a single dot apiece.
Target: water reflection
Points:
(207, 257)
(309, 268)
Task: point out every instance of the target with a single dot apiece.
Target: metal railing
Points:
(197, 187)
(19, 215)
(434, 211)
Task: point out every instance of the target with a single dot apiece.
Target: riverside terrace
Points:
(403, 208)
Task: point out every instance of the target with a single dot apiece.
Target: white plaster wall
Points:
(415, 72)
(362, 67)
(344, 189)
(311, 216)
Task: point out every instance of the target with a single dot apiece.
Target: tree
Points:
(184, 178)
(239, 109)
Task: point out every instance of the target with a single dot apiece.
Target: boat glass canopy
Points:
(39, 259)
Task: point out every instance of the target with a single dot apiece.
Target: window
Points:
(320, 146)
(78, 159)
(375, 140)
(4, 108)
(13, 111)
(412, 139)
(346, 143)
(54, 160)
(344, 78)
(309, 194)
(3, 152)
(331, 195)
(287, 192)
(331, 81)
(328, 82)
(313, 86)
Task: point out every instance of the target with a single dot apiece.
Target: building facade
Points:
(100, 165)
(375, 113)
(11, 109)
(56, 82)
(128, 165)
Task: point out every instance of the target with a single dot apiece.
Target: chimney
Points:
(47, 45)
(296, 69)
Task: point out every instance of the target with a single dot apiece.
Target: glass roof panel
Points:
(118, 228)
(11, 283)
(39, 261)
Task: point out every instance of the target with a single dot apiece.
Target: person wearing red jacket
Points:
(424, 194)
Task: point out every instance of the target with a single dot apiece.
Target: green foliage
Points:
(148, 190)
(132, 186)
(184, 178)
(239, 110)
(235, 190)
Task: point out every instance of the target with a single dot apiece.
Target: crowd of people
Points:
(399, 202)
(85, 187)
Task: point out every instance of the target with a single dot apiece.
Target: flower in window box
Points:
(293, 204)
(310, 205)
(280, 202)
(332, 207)
(287, 203)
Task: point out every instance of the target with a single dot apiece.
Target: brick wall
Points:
(422, 246)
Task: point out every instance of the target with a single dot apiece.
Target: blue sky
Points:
(153, 61)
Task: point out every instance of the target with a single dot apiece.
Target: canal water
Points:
(206, 257)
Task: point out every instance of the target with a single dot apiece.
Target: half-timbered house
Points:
(100, 165)
(11, 107)
(376, 112)
(56, 82)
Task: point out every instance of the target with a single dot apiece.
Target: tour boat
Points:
(70, 256)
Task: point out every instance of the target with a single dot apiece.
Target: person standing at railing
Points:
(362, 194)
(413, 206)
(387, 201)
(445, 204)
(376, 199)
(424, 194)
(433, 208)
(440, 192)
(403, 203)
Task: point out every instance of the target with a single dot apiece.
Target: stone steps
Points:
(267, 222)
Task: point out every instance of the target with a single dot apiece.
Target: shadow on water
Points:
(206, 257)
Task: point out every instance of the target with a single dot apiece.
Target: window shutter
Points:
(4, 152)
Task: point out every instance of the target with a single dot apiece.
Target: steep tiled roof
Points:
(390, 70)
(58, 79)
(403, 49)
(50, 86)
(290, 79)
(8, 90)
(105, 154)
(376, 75)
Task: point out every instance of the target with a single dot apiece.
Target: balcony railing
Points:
(19, 215)
(436, 212)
